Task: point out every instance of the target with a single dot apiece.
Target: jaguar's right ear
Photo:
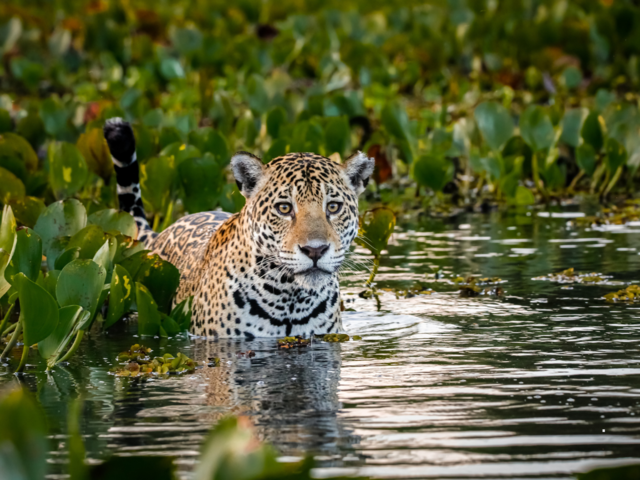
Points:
(248, 171)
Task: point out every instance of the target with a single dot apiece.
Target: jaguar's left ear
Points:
(358, 168)
(248, 170)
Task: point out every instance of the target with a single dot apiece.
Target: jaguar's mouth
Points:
(314, 271)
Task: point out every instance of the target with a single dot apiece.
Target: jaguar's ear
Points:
(358, 168)
(248, 170)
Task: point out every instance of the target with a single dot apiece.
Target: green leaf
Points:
(246, 130)
(181, 313)
(433, 171)
(168, 326)
(80, 283)
(67, 169)
(523, 196)
(59, 338)
(593, 130)
(121, 296)
(27, 257)
(27, 210)
(148, 315)
(616, 155)
(208, 140)
(376, 227)
(572, 77)
(586, 158)
(276, 118)
(49, 282)
(536, 128)
(38, 310)
(60, 219)
(337, 135)
(95, 151)
(395, 120)
(11, 187)
(202, 180)
(187, 40)
(156, 180)
(13, 145)
(8, 240)
(114, 222)
(554, 176)
(495, 124)
(571, 126)
(23, 437)
(67, 257)
(231, 200)
(78, 469)
(6, 124)
(161, 278)
(181, 152)
(256, 94)
(277, 149)
(170, 68)
(105, 255)
(626, 472)
(89, 240)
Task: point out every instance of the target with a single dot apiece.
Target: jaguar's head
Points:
(302, 212)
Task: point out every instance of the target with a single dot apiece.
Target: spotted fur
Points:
(260, 273)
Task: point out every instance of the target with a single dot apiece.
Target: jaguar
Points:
(272, 269)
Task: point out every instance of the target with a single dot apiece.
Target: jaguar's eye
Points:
(284, 208)
(333, 207)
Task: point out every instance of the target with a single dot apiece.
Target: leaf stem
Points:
(9, 329)
(23, 359)
(74, 347)
(14, 339)
(6, 319)
(613, 181)
(374, 271)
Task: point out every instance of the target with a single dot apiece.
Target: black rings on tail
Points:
(122, 145)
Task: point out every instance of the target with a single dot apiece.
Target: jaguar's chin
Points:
(314, 277)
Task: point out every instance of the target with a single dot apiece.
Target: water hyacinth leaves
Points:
(59, 338)
(8, 239)
(93, 148)
(616, 155)
(202, 180)
(156, 180)
(593, 131)
(181, 313)
(60, 219)
(536, 128)
(11, 187)
(571, 125)
(23, 452)
(67, 169)
(433, 171)
(27, 210)
(586, 158)
(80, 283)
(376, 227)
(495, 124)
(114, 221)
(159, 276)
(121, 296)
(148, 314)
(27, 257)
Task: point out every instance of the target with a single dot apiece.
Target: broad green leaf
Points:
(60, 219)
(208, 140)
(67, 257)
(256, 94)
(27, 210)
(80, 283)
(170, 68)
(49, 282)
(67, 169)
(246, 130)
(161, 278)
(395, 120)
(593, 130)
(105, 255)
(168, 326)
(89, 240)
(114, 221)
(38, 310)
(121, 296)
(337, 135)
(554, 176)
(277, 149)
(12, 145)
(572, 125)
(187, 40)
(148, 315)
(68, 317)
(231, 200)
(495, 124)
(202, 180)
(523, 196)
(181, 313)
(572, 77)
(180, 152)
(11, 187)
(8, 240)
(276, 118)
(586, 158)
(27, 257)
(616, 155)
(23, 436)
(433, 171)
(376, 227)
(95, 151)
(156, 180)
(536, 128)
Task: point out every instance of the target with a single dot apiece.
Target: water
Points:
(542, 382)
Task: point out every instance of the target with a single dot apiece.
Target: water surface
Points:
(541, 382)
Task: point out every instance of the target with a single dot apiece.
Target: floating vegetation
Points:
(611, 216)
(409, 292)
(293, 342)
(475, 291)
(477, 281)
(247, 354)
(334, 337)
(630, 294)
(356, 337)
(570, 276)
(140, 364)
(213, 362)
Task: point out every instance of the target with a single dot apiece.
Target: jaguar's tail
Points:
(122, 145)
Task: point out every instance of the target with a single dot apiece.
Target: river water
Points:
(540, 382)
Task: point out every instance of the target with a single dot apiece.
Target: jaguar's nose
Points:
(314, 253)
